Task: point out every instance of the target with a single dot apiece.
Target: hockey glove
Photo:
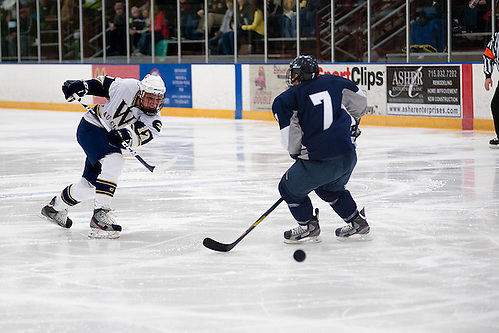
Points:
(354, 130)
(117, 137)
(71, 87)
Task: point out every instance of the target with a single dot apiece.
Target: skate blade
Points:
(316, 239)
(494, 146)
(102, 234)
(356, 238)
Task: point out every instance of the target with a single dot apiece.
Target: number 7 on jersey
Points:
(324, 98)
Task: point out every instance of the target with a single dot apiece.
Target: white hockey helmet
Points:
(151, 94)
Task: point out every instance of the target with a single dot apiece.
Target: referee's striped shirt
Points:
(490, 55)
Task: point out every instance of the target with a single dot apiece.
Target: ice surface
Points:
(431, 198)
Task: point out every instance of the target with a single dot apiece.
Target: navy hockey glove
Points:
(71, 87)
(354, 130)
(117, 137)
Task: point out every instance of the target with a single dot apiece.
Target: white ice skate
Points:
(103, 225)
(58, 217)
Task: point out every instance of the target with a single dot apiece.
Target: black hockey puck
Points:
(299, 255)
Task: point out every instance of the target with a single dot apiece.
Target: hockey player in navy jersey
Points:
(318, 118)
(132, 114)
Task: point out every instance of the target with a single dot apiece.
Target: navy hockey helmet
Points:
(302, 68)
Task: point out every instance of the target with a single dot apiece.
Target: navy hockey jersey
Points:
(315, 117)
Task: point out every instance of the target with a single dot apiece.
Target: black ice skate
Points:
(304, 232)
(58, 217)
(358, 226)
(494, 143)
(103, 225)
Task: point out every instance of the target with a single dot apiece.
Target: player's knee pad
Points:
(288, 195)
(300, 207)
(91, 172)
(111, 167)
(329, 196)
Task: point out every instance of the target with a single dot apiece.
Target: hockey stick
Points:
(152, 168)
(217, 246)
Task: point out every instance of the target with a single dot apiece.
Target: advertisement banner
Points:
(371, 79)
(178, 82)
(123, 71)
(430, 91)
(268, 81)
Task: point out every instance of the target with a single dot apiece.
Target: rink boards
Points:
(413, 95)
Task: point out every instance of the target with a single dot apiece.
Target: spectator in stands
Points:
(27, 31)
(308, 12)
(117, 31)
(10, 35)
(147, 18)
(255, 30)
(474, 17)
(5, 17)
(244, 14)
(258, 24)
(161, 31)
(226, 27)
(484, 13)
(189, 19)
(216, 12)
(137, 26)
(288, 20)
(274, 17)
(428, 32)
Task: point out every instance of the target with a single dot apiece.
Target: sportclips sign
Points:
(268, 81)
(430, 91)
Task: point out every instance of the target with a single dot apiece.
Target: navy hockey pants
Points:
(326, 178)
(93, 140)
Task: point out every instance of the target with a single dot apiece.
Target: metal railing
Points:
(361, 31)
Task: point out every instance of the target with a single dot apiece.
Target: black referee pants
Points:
(494, 105)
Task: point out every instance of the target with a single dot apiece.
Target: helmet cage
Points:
(143, 97)
(150, 87)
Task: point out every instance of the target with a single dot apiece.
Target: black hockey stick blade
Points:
(221, 247)
(217, 246)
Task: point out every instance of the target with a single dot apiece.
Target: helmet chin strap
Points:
(137, 100)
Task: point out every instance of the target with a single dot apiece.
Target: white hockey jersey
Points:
(119, 112)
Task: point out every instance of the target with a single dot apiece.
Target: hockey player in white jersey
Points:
(132, 114)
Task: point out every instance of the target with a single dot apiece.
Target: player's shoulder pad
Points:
(102, 78)
(105, 81)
